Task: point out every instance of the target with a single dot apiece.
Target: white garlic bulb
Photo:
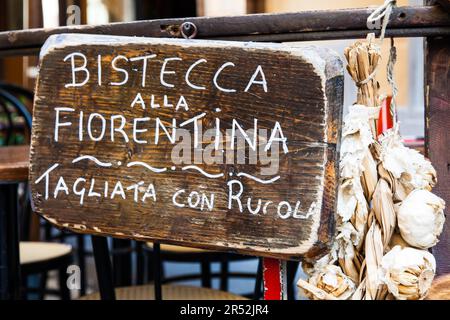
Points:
(412, 169)
(407, 272)
(328, 283)
(421, 218)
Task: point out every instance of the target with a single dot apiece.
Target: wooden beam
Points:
(299, 26)
(437, 111)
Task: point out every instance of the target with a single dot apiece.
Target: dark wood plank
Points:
(437, 84)
(303, 95)
(445, 4)
(405, 21)
(14, 163)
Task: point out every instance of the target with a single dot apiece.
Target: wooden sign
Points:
(220, 145)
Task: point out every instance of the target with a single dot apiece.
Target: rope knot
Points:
(382, 12)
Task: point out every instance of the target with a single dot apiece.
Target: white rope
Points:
(384, 12)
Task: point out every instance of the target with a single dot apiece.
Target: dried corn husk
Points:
(352, 204)
(363, 58)
(328, 283)
(314, 293)
(356, 161)
(347, 239)
(369, 176)
(376, 177)
(383, 208)
(421, 218)
(397, 240)
(407, 165)
(360, 291)
(408, 272)
(309, 267)
(356, 138)
(398, 190)
(373, 255)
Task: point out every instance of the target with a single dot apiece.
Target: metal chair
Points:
(35, 257)
(179, 254)
(155, 291)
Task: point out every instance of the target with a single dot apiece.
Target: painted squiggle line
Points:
(206, 174)
(143, 164)
(159, 170)
(257, 179)
(98, 162)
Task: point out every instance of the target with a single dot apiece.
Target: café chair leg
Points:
(139, 263)
(9, 234)
(157, 270)
(81, 255)
(63, 289)
(23, 290)
(42, 285)
(103, 268)
(121, 262)
(206, 274)
(224, 269)
(291, 270)
(258, 281)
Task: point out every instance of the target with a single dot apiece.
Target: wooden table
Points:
(14, 162)
(13, 169)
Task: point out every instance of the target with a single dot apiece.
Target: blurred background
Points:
(22, 71)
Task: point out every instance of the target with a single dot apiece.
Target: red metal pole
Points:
(385, 119)
(274, 275)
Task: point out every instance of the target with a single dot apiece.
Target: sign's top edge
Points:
(72, 39)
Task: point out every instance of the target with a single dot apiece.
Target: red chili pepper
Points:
(385, 120)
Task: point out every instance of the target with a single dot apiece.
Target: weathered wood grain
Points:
(14, 163)
(405, 21)
(304, 95)
(437, 112)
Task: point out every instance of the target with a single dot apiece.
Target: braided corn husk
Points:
(377, 174)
